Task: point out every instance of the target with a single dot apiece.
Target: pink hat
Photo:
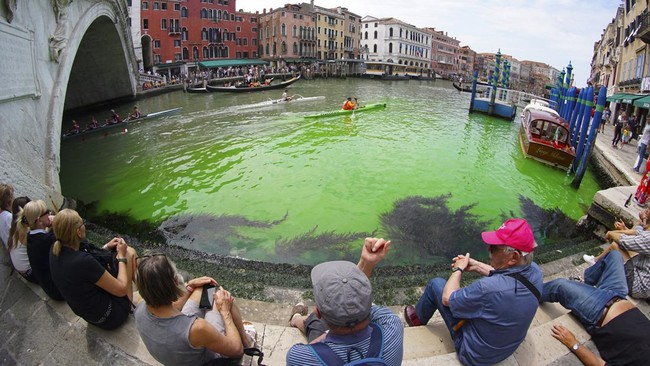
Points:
(515, 233)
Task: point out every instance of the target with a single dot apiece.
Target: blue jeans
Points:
(431, 301)
(583, 299)
(639, 160)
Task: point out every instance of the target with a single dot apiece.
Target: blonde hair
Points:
(28, 216)
(6, 195)
(65, 225)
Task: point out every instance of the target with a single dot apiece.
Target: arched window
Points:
(186, 53)
(390, 32)
(184, 34)
(283, 30)
(366, 35)
(206, 54)
(195, 52)
(374, 48)
(225, 15)
(267, 31)
(225, 52)
(295, 48)
(232, 17)
(375, 34)
(275, 49)
(295, 31)
(284, 48)
(219, 14)
(183, 12)
(204, 34)
(267, 49)
(204, 13)
(390, 47)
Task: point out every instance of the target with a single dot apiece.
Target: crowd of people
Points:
(487, 319)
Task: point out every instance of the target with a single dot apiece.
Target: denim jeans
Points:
(583, 299)
(431, 301)
(639, 160)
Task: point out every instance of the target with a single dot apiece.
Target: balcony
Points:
(644, 29)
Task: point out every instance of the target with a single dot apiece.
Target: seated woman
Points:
(18, 250)
(171, 324)
(89, 289)
(34, 220)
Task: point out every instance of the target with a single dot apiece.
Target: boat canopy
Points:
(231, 62)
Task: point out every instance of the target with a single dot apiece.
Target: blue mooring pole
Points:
(474, 81)
(554, 104)
(496, 83)
(571, 98)
(593, 131)
(586, 116)
(576, 117)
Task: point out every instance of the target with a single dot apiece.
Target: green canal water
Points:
(267, 184)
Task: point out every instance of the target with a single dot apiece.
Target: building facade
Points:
(445, 54)
(246, 32)
(287, 34)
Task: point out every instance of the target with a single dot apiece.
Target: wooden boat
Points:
(466, 88)
(271, 102)
(544, 136)
(247, 89)
(197, 90)
(124, 123)
(340, 112)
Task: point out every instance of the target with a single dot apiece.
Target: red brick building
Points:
(176, 32)
(246, 31)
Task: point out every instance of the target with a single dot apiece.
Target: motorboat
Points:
(544, 136)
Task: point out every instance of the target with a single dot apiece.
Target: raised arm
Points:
(374, 251)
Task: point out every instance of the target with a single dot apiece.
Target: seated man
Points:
(634, 246)
(619, 330)
(343, 296)
(349, 105)
(488, 319)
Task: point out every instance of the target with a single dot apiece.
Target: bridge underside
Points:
(99, 72)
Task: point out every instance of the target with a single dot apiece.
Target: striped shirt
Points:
(638, 267)
(303, 355)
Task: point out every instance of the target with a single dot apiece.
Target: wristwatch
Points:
(456, 269)
(123, 260)
(575, 347)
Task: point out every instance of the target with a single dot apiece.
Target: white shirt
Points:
(5, 225)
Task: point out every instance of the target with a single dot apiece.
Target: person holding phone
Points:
(172, 324)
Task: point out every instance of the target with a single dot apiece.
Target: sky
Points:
(555, 32)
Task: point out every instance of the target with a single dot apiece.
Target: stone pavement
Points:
(622, 159)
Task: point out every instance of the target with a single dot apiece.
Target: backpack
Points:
(373, 358)
(103, 256)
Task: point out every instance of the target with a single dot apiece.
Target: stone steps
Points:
(70, 340)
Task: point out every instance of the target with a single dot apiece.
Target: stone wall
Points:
(56, 55)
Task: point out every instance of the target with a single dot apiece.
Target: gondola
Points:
(234, 89)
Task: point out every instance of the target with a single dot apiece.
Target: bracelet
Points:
(123, 260)
(456, 269)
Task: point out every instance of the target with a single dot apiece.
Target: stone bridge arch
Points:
(56, 55)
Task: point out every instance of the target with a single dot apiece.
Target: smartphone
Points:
(207, 297)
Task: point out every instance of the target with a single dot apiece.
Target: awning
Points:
(170, 64)
(642, 102)
(231, 62)
(624, 98)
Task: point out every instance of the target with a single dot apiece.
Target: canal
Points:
(268, 184)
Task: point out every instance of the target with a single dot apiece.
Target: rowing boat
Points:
(271, 102)
(124, 123)
(340, 112)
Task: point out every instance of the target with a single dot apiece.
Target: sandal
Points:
(300, 309)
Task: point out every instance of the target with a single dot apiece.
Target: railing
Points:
(509, 96)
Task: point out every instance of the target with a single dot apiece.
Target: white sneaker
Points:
(589, 259)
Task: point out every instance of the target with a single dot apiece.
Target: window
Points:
(157, 59)
(390, 47)
(295, 48)
(254, 41)
(177, 6)
(163, 6)
(177, 43)
(284, 48)
(639, 65)
(295, 31)
(245, 41)
(374, 48)
(366, 35)
(284, 29)
(156, 6)
(177, 57)
(390, 32)
(238, 29)
(204, 14)
(163, 23)
(156, 43)
(254, 30)
(145, 23)
(183, 12)
(375, 34)
(145, 5)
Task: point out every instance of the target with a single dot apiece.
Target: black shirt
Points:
(625, 340)
(39, 246)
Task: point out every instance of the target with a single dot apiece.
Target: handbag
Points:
(105, 257)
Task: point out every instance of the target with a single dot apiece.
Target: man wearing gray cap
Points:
(357, 329)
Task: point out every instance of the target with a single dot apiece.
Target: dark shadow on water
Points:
(423, 228)
(328, 245)
(549, 225)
